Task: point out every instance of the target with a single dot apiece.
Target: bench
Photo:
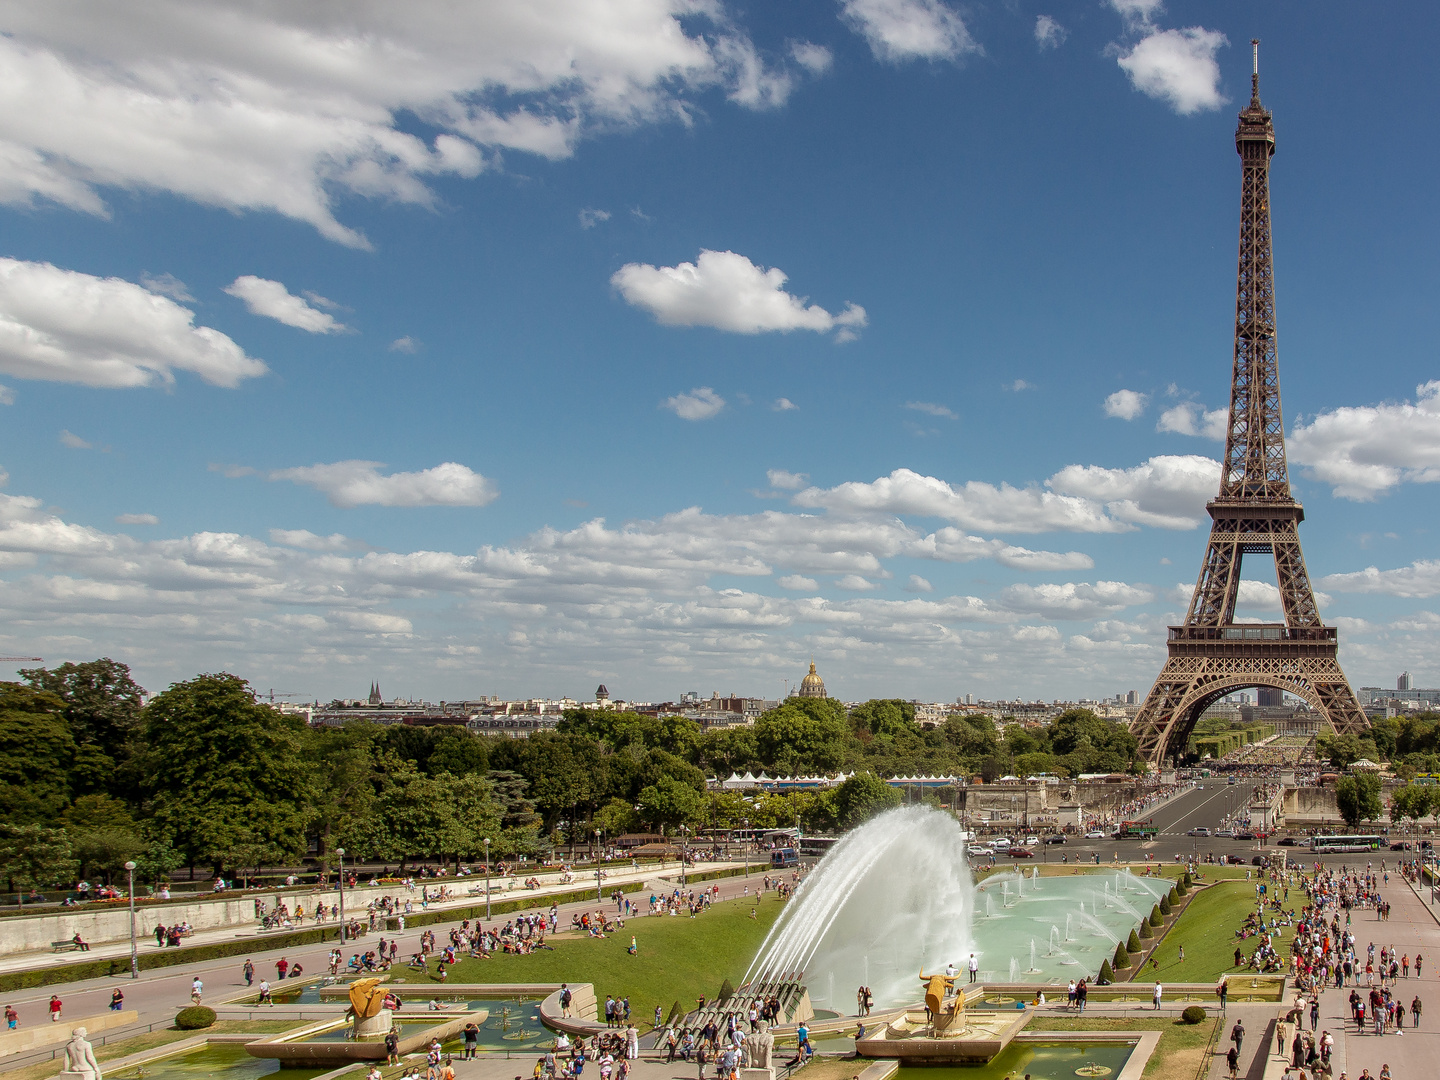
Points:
(66, 946)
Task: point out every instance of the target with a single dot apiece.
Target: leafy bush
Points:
(1134, 943)
(1193, 1014)
(194, 1018)
(1156, 919)
(1122, 958)
(1107, 973)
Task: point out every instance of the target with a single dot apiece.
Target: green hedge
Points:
(120, 965)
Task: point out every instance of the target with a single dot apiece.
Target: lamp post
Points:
(487, 879)
(134, 956)
(340, 851)
(598, 898)
(682, 854)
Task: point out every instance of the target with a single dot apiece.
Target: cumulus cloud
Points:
(1190, 418)
(292, 108)
(1177, 67)
(1019, 385)
(271, 300)
(789, 481)
(1049, 34)
(309, 541)
(815, 59)
(798, 583)
(783, 404)
(589, 218)
(929, 408)
(1364, 451)
(74, 442)
(64, 326)
(7, 396)
(1074, 600)
(918, 584)
(1126, 404)
(699, 404)
(728, 292)
(1166, 492)
(136, 519)
(359, 483)
(855, 583)
(166, 285)
(1420, 579)
(405, 344)
(901, 30)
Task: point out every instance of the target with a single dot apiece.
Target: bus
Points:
(784, 857)
(816, 845)
(1327, 845)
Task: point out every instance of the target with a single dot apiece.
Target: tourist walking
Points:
(55, 1008)
(974, 968)
(249, 970)
(197, 990)
(1415, 1010)
(1222, 991)
(1156, 996)
(1237, 1035)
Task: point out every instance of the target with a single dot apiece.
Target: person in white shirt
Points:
(974, 968)
(1158, 991)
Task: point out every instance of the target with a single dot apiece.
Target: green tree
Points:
(671, 802)
(37, 753)
(102, 706)
(1411, 801)
(103, 833)
(34, 857)
(1341, 751)
(617, 817)
(222, 771)
(861, 797)
(344, 773)
(803, 735)
(1358, 798)
(888, 716)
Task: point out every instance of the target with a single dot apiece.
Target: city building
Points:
(812, 686)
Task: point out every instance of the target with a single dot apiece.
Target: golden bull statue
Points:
(946, 1004)
(366, 998)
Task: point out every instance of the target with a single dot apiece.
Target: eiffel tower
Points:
(1211, 655)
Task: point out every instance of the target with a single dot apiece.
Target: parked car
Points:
(1199, 830)
(1000, 843)
(1031, 841)
(1057, 838)
(1228, 834)
(1244, 835)
(1286, 841)
(1020, 853)
(1095, 834)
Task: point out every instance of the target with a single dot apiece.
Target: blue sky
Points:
(666, 343)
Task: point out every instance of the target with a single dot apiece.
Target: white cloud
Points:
(292, 108)
(1019, 385)
(789, 481)
(929, 408)
(590, 218)
(1072, 600)
(699, 404)
(798, 583)
(271, 300)
(729, 292)
(405, 344)
(309, 541)
(137, 519)
(1366, 450)
(783, 404)
(7, 396)
(1137, 13)
(815, 59)
(1178, 67)
(918, 584)
(74, 442)
(1420, 579)
(1190, 418)
(166, 285)
(1166, 492)
(359, 483)
(855, 583)
(900, 30)
(1049, 34)
(65, 326)
(1126, 404)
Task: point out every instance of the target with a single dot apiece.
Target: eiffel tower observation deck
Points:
(1254, 513)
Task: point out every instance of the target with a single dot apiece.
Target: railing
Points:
(1253, 632)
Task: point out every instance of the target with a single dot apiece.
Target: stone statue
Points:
(759, 1045)
(80, 1058)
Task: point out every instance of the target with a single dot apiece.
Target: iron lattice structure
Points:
(1211, 655)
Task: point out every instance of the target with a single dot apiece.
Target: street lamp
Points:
(134, 956)
(487, 879)
(683, 830)
(340, 851)
(598, 898)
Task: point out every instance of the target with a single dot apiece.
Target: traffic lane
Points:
(1180, 814)
(1215, 805)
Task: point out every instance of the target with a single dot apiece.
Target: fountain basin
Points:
(324, 1045)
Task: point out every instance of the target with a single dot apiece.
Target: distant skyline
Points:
(511, 349)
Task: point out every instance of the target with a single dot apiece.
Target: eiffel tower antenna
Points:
(1253, 514)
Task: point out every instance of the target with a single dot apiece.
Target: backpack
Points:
(565, 997)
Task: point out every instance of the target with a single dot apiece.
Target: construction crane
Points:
(22, 659)
(272, 694)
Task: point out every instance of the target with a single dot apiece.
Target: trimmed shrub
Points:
(1144, 931)
(1156, 919)
(726, 991)
(194, 1018)
(1122, 958)
(1134, 943)
(1107, 973)
(1188, 880)
(1174, 897)
(1180, 887)
(676, 1014)
(1193, 1014)
(1164, 905)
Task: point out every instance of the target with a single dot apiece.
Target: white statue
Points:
(80, 1058)
(758, 1048)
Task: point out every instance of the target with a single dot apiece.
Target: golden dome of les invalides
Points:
(812, 685)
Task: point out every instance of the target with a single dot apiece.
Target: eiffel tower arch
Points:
(1211, 655)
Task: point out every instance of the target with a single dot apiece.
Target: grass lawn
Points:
(1207, 930)
(152, 1039)
(679, 958)
(1177, 1057)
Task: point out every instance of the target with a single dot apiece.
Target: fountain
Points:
(1032, 969)
(1068, 917)
(1014, 969)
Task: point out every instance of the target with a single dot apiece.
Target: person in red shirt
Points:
(54, 1009)
(281, 967)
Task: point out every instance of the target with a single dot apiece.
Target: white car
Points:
(1003, 843)
(1095, 834)
(1031, 841)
